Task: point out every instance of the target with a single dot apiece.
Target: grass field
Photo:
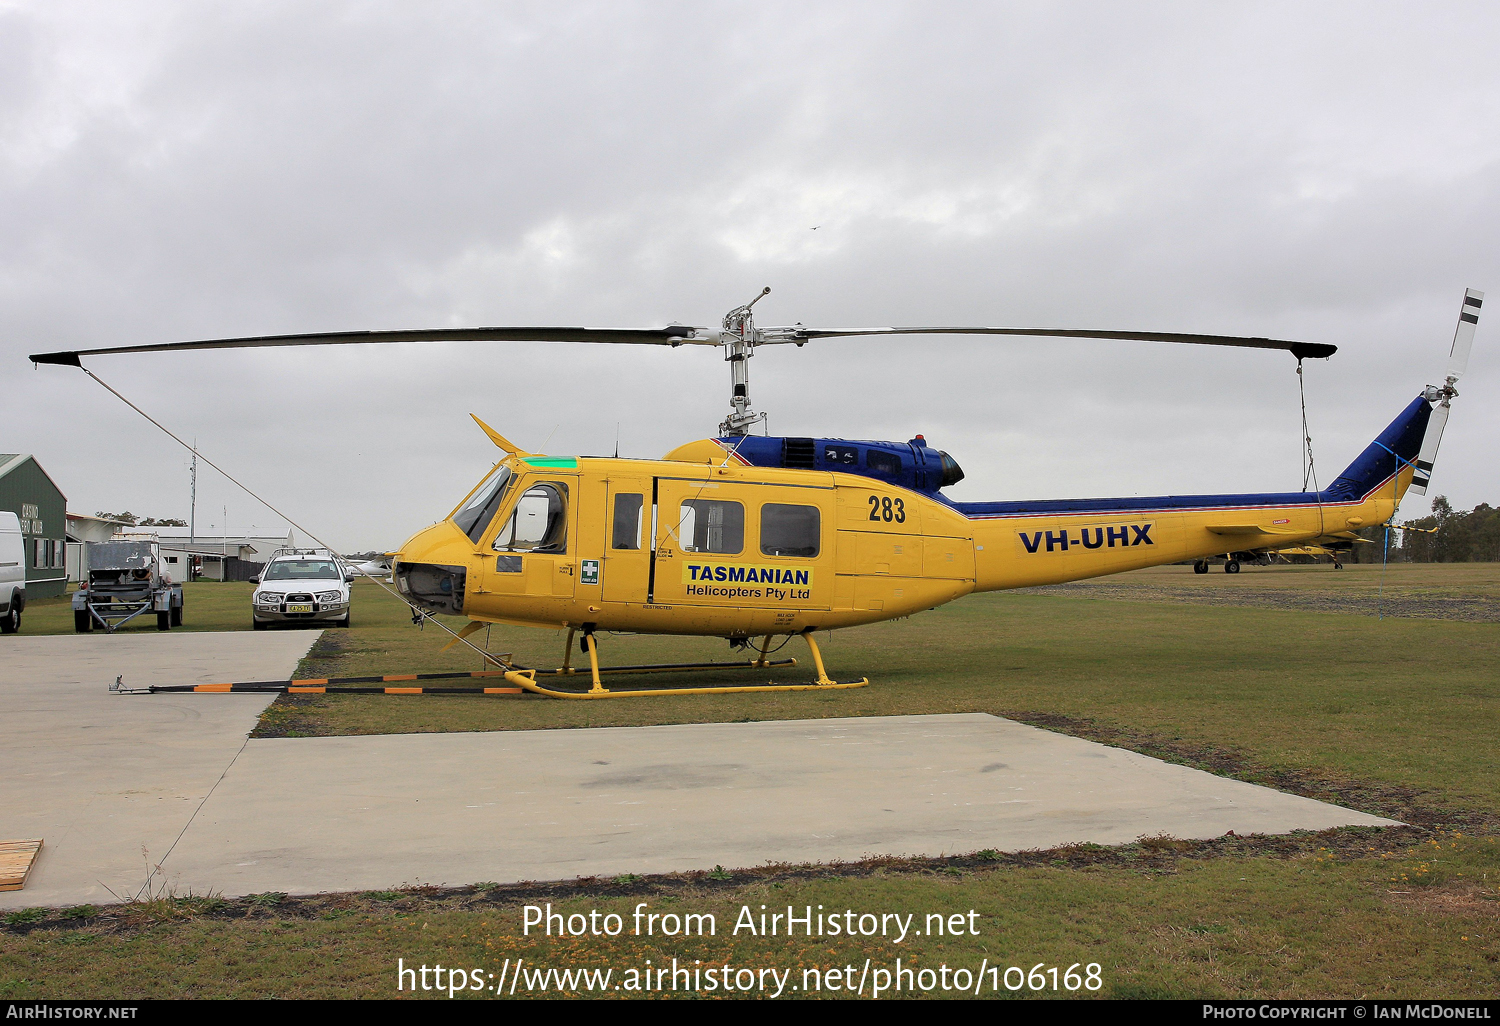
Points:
(1281, 676)
(206, 606)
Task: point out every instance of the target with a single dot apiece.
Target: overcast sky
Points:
(180, 171)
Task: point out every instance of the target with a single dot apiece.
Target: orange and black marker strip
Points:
(341, 685)
(336, 685)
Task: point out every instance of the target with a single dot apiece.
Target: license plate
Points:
(299, 607)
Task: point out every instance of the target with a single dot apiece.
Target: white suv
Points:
(302, 586)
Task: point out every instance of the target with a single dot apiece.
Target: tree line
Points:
(1451, 535)
(132, 520)
(1446, 535)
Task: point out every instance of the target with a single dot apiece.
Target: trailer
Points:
(124, 581)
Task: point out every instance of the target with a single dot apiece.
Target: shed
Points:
(81, 530)
(231, 558)
(27, 491)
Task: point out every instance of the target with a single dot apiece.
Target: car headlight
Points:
(268, 599)
(330, 598)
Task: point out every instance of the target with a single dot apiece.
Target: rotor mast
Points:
(739, 339)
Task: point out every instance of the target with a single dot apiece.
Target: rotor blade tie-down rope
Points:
(1308, 470)
(422, 613)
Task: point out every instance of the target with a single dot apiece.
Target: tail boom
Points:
(1021, 551)
(1022, 544)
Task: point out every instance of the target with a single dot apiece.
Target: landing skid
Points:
(526, 678)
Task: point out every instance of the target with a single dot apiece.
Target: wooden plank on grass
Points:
(16, 858)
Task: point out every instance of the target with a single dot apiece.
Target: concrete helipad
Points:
(305, 815)
(109, 781)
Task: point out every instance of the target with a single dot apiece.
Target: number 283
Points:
(884, 508)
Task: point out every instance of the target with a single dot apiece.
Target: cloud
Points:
(172, 171)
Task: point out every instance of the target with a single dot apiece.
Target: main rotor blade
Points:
(672, 335)
(1300, 350)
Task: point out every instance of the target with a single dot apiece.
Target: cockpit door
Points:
(629, 526)
(529, 555)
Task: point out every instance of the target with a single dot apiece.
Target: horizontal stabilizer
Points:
(1303, 550)
(1242, 529)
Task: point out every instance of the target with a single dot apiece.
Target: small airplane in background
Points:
(378, 567)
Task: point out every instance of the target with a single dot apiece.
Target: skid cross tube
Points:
(591, 646)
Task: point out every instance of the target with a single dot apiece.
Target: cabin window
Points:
(711, 525)
(789, 530)
(627, 530)
(539, 523)
(480, 509)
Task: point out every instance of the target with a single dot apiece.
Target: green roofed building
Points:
(27, 491)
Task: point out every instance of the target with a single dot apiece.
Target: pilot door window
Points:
(627, 529)
(787, 530)
(539, 523)
(710, 525)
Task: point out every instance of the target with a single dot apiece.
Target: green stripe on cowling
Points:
(556, 462)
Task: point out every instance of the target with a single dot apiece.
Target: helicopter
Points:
(745, 536)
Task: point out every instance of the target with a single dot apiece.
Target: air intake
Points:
(798, 453)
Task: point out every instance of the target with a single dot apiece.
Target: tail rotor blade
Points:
(1463, 338)
(1442, 398)
(1422, 474)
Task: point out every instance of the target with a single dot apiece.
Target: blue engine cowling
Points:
(914, 464)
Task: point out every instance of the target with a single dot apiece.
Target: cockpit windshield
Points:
(480, 509)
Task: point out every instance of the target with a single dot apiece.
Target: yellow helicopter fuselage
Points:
(697, 544)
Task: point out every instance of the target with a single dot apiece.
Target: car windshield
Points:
(301, 570)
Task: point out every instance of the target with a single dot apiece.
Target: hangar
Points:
(27, 491)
